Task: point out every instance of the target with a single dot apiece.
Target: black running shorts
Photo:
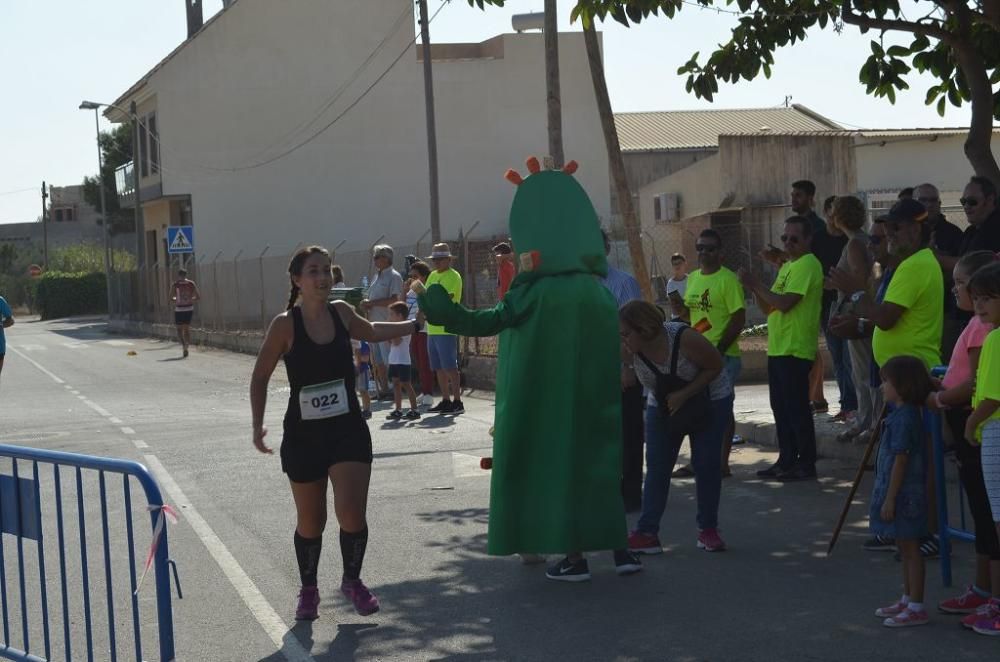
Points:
(308, 457)
(183, 316)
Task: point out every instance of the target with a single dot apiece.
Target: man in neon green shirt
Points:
(714, 300)
(792, 305)
(908, 321)
(442, 347)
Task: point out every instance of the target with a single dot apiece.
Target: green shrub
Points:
(88, 257)
(63, 294)
(19, 291)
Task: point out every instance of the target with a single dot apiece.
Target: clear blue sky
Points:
(54, 53)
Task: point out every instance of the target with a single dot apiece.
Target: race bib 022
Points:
(325, 400)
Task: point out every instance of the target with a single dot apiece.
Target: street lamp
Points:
(91, 105)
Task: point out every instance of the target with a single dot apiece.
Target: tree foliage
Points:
(955, 41)
(88, 258)
(116, 151)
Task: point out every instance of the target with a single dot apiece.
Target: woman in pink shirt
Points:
(954, 399)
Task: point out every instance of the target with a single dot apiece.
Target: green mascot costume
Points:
(557, 443)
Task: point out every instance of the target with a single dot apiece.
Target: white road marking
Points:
(128, 431)
(289, 646)
(67, 386)
(265, 614)
(36, 364)
(139, 443)
(118, 343)
(74, 391)
(32, 348)
(114, 420)
(467, 466)
(96, 407)
(75, 345)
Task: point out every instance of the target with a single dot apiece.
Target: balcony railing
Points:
(125, 184)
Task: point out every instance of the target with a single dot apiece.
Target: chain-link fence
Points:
(241, 294)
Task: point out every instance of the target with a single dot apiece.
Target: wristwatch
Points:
(857, 296)
(861, 325)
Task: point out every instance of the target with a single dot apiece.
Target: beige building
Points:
(280, 123)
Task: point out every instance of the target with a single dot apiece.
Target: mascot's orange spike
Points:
(570, 167)
(513, 177)
(533, 165)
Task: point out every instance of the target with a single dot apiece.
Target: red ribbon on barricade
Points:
(166, 512)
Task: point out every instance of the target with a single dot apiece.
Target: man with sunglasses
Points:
(909, 319)
(979, 200)
(715, 300)
(793, 307)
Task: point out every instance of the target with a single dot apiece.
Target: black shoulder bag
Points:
(696, 413)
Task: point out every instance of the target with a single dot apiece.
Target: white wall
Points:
(699, 186)
(264, 68)
(901, 162)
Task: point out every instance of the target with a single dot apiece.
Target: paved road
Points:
(69, 386)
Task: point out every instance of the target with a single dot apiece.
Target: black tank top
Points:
(309, 365)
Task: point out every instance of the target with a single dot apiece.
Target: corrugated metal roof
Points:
(700, 129)
(881, 134)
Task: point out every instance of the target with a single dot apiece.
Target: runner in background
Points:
(184, 293)
(6, 320)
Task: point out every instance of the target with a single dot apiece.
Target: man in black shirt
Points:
(945, 236)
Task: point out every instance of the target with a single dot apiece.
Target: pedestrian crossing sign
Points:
(180, 239)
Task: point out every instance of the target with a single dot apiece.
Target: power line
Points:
(313, 136)
(20, 190)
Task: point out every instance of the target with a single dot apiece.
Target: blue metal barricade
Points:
(21, 516)
(933, 422)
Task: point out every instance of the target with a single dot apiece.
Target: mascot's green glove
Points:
(439, 309)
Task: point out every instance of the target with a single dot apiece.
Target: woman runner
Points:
(325, 437)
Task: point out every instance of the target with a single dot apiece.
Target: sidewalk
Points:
(755, 423)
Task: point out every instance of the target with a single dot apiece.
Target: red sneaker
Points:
(967, 603)
(989, 623)
(709, 540)
(969, 620)
(643, 543)
(894, 609)
(907, 618)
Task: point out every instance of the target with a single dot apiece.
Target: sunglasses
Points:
(789, 239)
(968, 202)
(706, 248)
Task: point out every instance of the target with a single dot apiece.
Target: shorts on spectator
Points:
(183, 317)
(380, 353)
(400, 371)
(443, 352)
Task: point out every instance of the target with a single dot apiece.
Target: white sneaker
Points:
(427, 400)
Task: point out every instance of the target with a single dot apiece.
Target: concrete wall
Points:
(760, 169)
(643, 168)
(896, 163)
(72, 197)
(235, 94)
(699, 187)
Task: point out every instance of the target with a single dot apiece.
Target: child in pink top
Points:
(955, 399)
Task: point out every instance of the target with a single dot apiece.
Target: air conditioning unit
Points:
(666, 207)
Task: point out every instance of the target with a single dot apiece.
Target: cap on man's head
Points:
(503, 248)
(907, 210)
(440, 251)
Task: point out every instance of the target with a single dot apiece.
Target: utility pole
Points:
(45, 231)
(553, 98)
(432, 159)
(140, 257)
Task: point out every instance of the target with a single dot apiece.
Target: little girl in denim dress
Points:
(899, 496)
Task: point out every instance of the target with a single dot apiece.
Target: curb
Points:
(765, 434)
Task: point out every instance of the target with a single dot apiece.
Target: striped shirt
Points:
(623, 286)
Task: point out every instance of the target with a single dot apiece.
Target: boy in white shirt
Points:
(399, 367)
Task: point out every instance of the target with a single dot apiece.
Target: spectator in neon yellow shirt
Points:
(792, 305)
(910, 317)
(442, 347)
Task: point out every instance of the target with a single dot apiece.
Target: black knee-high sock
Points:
(352, 547)
(307, 552)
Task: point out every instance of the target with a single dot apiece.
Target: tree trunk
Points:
(553, 99)
(626, 207)
(977, 144)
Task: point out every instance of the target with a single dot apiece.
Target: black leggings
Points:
(970, 471)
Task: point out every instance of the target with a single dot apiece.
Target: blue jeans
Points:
(706, 460)
(842, 371)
